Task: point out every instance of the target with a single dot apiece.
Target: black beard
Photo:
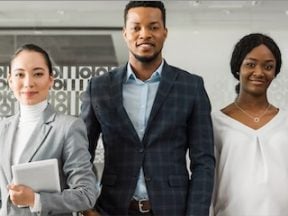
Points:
(147, 59)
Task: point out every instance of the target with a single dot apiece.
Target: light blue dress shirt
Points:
(138, 98)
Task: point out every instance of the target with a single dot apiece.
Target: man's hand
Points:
(21, 195)
(91, 212)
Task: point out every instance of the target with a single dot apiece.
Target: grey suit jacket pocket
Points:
(178, 180)
(109, 180)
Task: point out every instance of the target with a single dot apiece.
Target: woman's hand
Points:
(21, 195)
(90, 212)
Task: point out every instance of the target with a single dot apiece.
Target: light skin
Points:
(257, 71)
(30, 82)
(145, 34)
(91, 212)
(29, 78)
(21, 195)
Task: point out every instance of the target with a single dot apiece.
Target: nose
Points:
(258, 71)
(28, 82)
(145, 33)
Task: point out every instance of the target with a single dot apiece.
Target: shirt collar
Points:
(155, 75)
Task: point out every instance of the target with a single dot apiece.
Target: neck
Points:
(32, 112)
(144, 70)
(251, 102)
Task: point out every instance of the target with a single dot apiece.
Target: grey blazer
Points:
(56, 136)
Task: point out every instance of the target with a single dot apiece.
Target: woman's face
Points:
(257, 71)
(29, 78)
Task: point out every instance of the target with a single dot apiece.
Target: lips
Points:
(29, 94)
(145, 45)
(257, 81)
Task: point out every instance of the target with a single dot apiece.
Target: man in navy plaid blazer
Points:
(150, 114)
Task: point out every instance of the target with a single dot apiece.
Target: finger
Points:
(13, 187)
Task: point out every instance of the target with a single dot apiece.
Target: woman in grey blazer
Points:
(36, 133)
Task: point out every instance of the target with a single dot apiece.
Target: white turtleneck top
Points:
(29, 117)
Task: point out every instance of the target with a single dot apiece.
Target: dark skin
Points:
(145, 33)
(232, 111)
(256, 74)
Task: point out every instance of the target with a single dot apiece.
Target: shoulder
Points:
(229, 110)
(283, 111)
(184, 73)
(7, 120)
(68, 120)
(216, 116)
(60, 121)
(283, 115)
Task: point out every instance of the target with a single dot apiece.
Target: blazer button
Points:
(141, 150)
(147, 179)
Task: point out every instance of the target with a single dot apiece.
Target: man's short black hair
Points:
(153, 4)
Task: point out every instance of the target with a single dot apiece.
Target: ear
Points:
(9, 80)
(166, 33)
(124, 33)
(51, 78)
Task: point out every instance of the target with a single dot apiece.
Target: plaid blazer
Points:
(179, 122)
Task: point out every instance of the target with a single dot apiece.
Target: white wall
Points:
(207, 52)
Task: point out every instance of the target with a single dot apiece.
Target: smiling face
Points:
(145, 34)
(257, 71)
(29, 78)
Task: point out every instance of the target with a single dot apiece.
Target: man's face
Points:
(144, 34)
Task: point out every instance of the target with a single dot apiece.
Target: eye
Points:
(38, 74)
(269, 67)
(154, 27)
(19, 75)
(135, 28)
(250, 64)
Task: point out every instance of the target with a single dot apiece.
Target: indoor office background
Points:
(84, 39)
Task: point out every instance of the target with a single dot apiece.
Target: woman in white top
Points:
(36, 133)
(251, 137)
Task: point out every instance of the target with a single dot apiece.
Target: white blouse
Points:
(252, 167)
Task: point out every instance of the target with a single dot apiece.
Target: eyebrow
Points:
(151, 23)
(254, 59)
(36, 68)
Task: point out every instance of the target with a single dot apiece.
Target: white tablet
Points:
(41, 176)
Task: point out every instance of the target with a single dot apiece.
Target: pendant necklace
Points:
(256, 119)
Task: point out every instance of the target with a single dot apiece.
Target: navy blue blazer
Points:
(179, 122)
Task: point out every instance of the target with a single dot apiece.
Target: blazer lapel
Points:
(39, 134)
(9, 133)
(117, 80)
(168, 77)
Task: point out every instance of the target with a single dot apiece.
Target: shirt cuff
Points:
(37, 204)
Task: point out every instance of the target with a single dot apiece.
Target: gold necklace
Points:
(255, 118)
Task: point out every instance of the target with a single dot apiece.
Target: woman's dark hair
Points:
(153, 4)
(34, 48)
(245, 45)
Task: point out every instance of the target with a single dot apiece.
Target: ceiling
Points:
(99, 14)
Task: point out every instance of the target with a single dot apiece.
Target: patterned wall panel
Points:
(77, 59)
(65, 96)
